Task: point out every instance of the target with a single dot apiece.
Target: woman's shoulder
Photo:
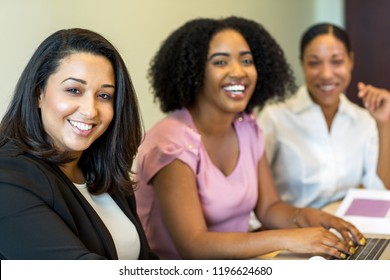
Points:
(174, 137)
(9, 148)
(360, 114)
(11, 152)
(293, 104)
(23, 170)
(248, 122)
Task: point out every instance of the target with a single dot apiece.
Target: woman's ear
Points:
(352, 58)
(41, 93)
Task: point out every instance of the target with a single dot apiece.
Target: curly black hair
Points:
(177, 70)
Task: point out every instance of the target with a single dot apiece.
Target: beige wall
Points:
(137, 27)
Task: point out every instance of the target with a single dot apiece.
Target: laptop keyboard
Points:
(371, 251)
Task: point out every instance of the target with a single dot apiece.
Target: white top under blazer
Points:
(122, 230)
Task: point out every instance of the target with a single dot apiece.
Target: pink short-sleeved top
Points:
(226, 200)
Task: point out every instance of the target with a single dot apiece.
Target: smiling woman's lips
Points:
(327, 87)
(235, 94)
(81, 129)
(236, 91)
(234, 88)
(81, 126)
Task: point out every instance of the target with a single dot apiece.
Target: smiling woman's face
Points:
(77, 104)
(327, 68)
(230, 73)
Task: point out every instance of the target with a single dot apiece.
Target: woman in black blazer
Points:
(67, 144)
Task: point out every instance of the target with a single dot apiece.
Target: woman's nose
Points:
(88, 107)
(237, 70)
(326, 71)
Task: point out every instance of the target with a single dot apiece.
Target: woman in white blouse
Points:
(318, 143)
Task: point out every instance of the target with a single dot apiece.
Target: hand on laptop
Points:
(338, 242)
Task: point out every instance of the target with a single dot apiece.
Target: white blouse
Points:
(122, 230)
(311, 165)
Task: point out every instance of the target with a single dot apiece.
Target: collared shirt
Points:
(311, 165)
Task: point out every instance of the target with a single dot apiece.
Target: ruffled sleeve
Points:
(172, 138)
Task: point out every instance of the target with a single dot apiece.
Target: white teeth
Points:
(235, 88)
(327, 87)
(81, 126)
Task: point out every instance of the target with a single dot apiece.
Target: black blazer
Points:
(44, 216)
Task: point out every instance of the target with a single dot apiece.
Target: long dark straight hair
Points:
(107, 162)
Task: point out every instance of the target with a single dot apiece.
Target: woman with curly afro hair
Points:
(202, 169)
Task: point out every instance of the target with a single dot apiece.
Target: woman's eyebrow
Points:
(75, 79)
(227, 55)
(85, 82)
(218, 54)
(108, 86)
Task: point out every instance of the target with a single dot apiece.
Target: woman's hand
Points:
(316, 241)
(376, 101)
(311, 217)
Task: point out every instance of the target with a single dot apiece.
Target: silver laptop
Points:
(375, 249)
(369, 210)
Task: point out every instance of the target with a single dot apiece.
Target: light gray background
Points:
(137, 27)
